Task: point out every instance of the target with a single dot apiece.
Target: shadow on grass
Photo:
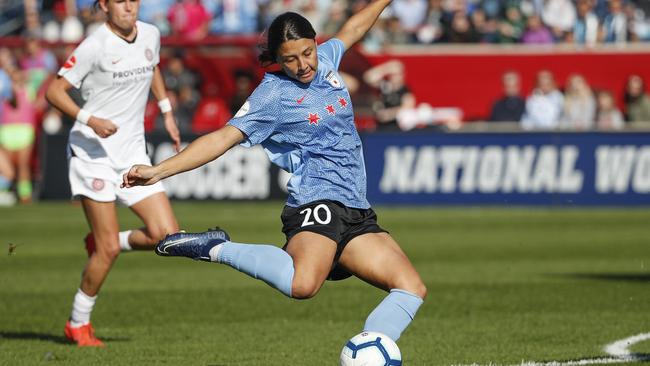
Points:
(60, 339)
(624, 277)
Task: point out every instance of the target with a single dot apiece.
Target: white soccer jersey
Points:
(115, 78)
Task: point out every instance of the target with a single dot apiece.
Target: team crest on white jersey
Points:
(148, 53)
(243, 110)
(333, 80)
(98, 184)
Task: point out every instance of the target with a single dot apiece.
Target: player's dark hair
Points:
(286, 27)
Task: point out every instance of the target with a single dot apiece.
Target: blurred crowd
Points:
(382, 100)
(576, 108)
(405, 22)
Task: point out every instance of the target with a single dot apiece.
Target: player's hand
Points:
(139, 175)
(172, 129)
(102, 127)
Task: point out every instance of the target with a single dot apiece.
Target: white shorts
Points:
(101, 183)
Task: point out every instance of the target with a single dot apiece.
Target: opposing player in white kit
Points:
(115, 67)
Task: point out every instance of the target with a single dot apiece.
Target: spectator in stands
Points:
(395, 95)
(512, 27)
(560, 17)
(511, 107)
(586, 28)
(609, 117)
(17, 133)
(579, 104)
(155, 12)
(5, 80)
(492, 8)
(395, 34)
(177, 76)
(7, 175)
(337, 15)
(411, 14)
(544, 105)
(38, 63)
(601, 8)
(7, 66)
(32, 23)
(431, 29)
(243, 88)
(637, 100)
(232, 16)
(212, 112)
(485, 28)
(536, 32)
(615, 25)
(460, 29)
(642, 5)
(188, 100)
(315, 11)
(189, 20)
(65, 27)
(378, 37)
(638, 22)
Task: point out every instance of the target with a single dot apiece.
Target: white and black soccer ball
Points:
(371, 349)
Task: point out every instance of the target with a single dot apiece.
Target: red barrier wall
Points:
(470, 78)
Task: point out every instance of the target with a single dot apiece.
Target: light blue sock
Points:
(263, 262)
(393, 314)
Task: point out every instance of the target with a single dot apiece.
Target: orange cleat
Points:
(84, 336)
(90, 244)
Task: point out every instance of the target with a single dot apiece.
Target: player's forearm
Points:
(200, 152)
(58, 97)
(359, 24)
(158, 85)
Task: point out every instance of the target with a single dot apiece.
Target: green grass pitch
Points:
(505, 285)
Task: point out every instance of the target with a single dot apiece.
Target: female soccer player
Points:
(115, 67)
(303, 118)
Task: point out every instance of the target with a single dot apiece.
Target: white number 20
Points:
(316, 215)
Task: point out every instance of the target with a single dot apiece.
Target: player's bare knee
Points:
(421, 290)
(304, 289)
(412, 285)
(110, 251)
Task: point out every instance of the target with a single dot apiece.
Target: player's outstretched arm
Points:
(359, 24)
(57, 96)
(201, 151)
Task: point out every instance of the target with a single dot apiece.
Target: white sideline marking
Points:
(619, 350)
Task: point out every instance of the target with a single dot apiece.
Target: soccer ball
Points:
(371, 349)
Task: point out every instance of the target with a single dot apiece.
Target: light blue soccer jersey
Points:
(308, 130)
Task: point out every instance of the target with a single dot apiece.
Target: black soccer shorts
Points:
(333, 220)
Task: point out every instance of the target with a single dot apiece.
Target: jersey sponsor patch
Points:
(243, 110)
(70, 62)
(332, 79)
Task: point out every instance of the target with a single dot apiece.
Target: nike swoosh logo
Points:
(116, 61)
(175, 243)
(301, 99)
